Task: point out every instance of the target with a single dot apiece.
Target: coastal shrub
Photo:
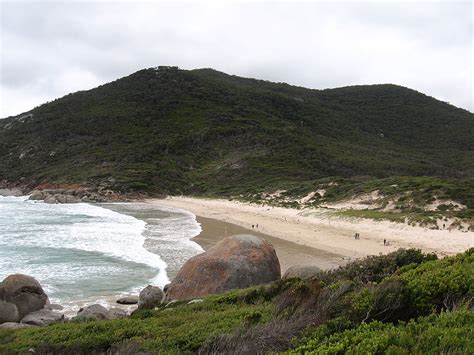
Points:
(181, 329)
(254, 295)
(139, 186)
(376, 268)
(336, 315)
(273, 336)
(447, 333)
(439, 284)
(299, 306)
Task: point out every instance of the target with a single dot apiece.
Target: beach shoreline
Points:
(289, 253)
(330, 234)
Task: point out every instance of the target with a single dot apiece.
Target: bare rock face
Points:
(235, 262)
(150, 297)
(43, 317)
(8, 312)
(24, 292)
(302, 272)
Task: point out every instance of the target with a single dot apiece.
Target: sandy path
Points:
(328, 233)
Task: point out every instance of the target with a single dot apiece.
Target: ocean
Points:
(84, 253)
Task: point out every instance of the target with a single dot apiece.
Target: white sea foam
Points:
(85, 253)
(88, 228)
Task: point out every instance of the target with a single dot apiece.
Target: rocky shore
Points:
(68, 193)
(236, 262)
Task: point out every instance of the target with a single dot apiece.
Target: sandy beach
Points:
(312, 229)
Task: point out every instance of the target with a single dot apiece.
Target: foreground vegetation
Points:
(403, 303)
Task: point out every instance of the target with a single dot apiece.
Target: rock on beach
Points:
(235, 262)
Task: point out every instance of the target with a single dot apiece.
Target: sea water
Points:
(84, 253)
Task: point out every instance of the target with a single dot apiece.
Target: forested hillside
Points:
(165, 130)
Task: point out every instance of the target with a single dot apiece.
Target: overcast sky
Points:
(49, 49)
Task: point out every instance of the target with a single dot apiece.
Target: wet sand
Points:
(289, 253)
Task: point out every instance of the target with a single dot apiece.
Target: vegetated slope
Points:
(167, 130)
(405, 302)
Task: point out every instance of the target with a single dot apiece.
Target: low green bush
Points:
(376, 268)
(447, 333)
(182, 329)
(439, 284)
(359, 308)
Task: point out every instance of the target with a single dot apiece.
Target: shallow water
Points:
(83, 253)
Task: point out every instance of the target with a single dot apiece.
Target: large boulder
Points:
(24, 292)
(99, 312)
(94, 311)
(61, 198)
(115, 313)
(302, 272)
(8, 312)
(50, 199)
(150, 297)
(235, 262)
(43, 317)
(128, 300)
(37, 195)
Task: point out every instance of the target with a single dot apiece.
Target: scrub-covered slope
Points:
(165, 130)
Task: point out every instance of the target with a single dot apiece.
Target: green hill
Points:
(165, 130)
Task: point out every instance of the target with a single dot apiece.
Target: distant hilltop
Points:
(170, 131)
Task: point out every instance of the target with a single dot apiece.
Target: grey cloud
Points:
(50, 49)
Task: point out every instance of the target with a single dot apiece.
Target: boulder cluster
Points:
(72, 195)
(238, 261)
(24, 304)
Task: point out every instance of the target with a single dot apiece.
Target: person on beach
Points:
(253, 226)
(385, 242)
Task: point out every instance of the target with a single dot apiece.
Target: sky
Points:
(50, 49)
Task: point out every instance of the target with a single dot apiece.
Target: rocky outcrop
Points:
(55, 196)
(43, 317)
(22, 291)
(235, 262)
(302, 272)
(76, 195)
(150, 297)
(128, 300)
